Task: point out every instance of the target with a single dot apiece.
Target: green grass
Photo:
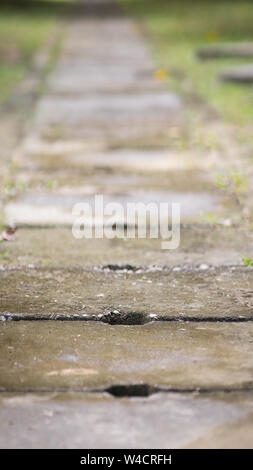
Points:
(176, 28)
(23, 30)
(9, 76)
(247, 261)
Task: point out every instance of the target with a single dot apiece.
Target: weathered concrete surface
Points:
(237, 435)
(98, 115)
(116, 171)
(120, 176)
(81, 78)
(56, 209)
(78, 356)
(236, 49)
(106, 125)
(103, 95)
(52, 247)
(202, 293)
(99, 421)
(240, 74)
(107, 111)
(83, 156)
(118, 41)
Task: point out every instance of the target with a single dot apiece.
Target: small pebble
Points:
(203, 266)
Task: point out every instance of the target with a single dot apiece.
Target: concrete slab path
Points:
(115, 342)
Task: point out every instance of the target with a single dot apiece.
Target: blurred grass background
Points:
(24, 29)
(177, 28)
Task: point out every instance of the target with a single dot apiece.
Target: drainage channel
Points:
(138, 269)
(116, 317)
(137, 390)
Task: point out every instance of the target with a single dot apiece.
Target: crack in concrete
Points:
(138, 269)
(128, 318)
(144, 390)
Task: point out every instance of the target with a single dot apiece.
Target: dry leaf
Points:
(161, 75)
(8, 234)
(71, 372)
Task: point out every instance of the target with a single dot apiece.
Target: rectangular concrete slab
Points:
(69, 156)
(56, 208)
(55, 247)
(39, 355)
(239, 74)
(224, 293)
(76, 78)
(99, 421)
(107, 117)
(102, 179)
(233, 49)
(107, 48)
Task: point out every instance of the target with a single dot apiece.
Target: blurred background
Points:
(177, 29)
